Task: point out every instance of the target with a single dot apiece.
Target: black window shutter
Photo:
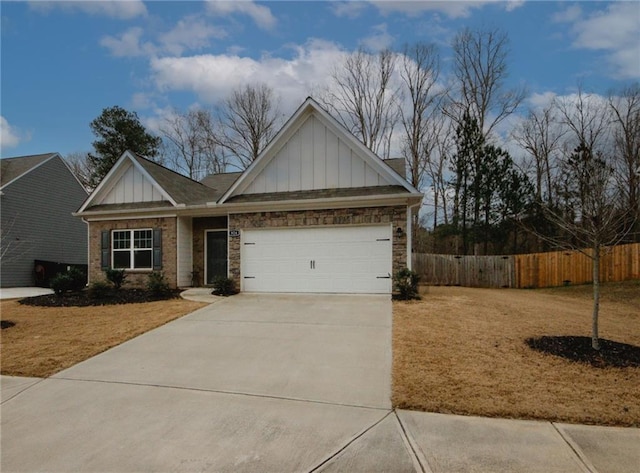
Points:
(157, 249)
(105, 259)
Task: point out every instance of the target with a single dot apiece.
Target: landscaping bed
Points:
(109, 297)
(467, 351)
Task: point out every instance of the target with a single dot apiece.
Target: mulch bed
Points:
(611, 354)
(83, 299)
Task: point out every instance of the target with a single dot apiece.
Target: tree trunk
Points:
(595, 341)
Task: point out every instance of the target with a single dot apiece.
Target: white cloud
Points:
(128, 44)
(213, 77)
(10, 136)
(568, 15)
(451, 8)
(614, 30)
(379, 39)
(120, 9)
(351, 9)
(191, 33)
(260, 14)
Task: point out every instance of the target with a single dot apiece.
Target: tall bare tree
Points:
(192, 145)
(81, 167)
(586, 118)
(480, 60)
(419, 70)
(540, 136)
(625, 107)
(250, 118)
(362, 98)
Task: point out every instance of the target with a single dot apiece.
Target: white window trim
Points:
(131, 248)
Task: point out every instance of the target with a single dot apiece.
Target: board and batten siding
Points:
(315, 158)
(184, 251)
(37, 222)
(133, 186)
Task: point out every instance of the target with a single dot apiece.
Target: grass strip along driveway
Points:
(463, 351)
(40, 341)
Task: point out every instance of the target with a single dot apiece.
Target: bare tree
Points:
(420, 69)
(591, 220)
(250, 119)
(363, 100)
(625, 108)
(437, 165)
(540, 136)
(480, 68)
(587, 119)
(81, 167)
(192, 145)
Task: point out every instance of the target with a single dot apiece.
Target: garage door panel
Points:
(320, 259)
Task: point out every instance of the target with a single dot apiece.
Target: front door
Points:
(216, 255)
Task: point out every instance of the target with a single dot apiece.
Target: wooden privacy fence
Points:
(469, 271)
(619, 263)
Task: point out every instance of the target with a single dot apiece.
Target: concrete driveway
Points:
(271, 383)
(251, 383)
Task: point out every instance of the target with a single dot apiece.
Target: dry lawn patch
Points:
(45, 340)
(463, 351)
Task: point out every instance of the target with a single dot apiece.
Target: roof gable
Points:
(134, 179)
(312, 152)
(127, 182)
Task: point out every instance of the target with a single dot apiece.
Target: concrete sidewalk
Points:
(22, 292)
(272, 384)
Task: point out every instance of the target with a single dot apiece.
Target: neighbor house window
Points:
(132, 249)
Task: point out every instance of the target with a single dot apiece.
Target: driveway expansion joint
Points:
(220, 391)
(416, 453)
(575, 448)
(348, 443)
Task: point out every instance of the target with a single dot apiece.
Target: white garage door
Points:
(321, 259)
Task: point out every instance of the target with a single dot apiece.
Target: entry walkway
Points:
(271, 383)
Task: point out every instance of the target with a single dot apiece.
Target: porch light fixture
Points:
(399, 232)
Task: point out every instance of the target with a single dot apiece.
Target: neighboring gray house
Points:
(37, 196)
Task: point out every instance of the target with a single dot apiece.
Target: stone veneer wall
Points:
(309, 218)
(136, 278)
(199, 227)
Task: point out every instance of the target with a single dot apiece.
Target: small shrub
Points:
(223, 286)
(61, 283)
(99, 290)
(78, 278)
(157, 285)
(117, 277)
(405, 282)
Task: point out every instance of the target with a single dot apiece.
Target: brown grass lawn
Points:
(45, 340)
(463, 351)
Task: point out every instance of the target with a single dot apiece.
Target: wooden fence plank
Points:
(556, 268)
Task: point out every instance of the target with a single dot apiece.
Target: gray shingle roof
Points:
(10, 168)
(398, 165)
(181, 189)
(319, 194)
(221, 182)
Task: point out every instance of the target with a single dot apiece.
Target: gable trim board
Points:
(270, 196)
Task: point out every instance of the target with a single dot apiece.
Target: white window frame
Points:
(131, 249)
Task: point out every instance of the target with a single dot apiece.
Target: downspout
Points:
(88, 250)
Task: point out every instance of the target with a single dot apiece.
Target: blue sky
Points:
(63, 62)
